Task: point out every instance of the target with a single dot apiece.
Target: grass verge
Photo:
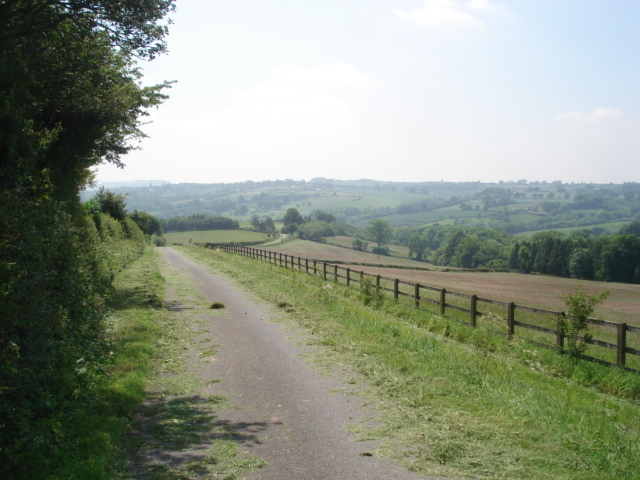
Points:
(146, 374)
(456, 401)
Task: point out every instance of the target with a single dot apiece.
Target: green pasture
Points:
(436, 216)
(215, 236)
(612, 227)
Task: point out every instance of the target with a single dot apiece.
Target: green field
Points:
(439, 216)
(215, 236)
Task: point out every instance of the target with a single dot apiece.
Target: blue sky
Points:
(402, 90)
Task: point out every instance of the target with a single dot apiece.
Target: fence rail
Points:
(469, 304)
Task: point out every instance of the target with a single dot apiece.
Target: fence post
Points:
(560, 333)
(377, 281)
(348, 276)
(416, 295)
(335, 273)
(443, 302)
(510, 318)
(315, 270)
(396, 282)
(622, 345)
(473, 308)
(306, 265)
(324, 271)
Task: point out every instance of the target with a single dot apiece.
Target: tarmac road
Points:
(287, 413)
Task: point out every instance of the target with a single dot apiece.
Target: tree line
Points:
(611, 258)
(198, 222)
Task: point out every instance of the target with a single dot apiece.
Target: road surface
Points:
(286, 412)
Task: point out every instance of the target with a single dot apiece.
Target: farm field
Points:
(623, 304)
(215, 236)
(540, 291)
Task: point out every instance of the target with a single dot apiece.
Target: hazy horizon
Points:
(401, 90)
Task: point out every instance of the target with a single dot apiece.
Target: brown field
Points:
(327, 252)
(623, 304)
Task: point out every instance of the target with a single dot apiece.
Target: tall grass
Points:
(458, 401)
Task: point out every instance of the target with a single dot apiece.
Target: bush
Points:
(381, 250)
(55, 272)
(370, 293)
(52, 285)
(574, 322)
(158, 240)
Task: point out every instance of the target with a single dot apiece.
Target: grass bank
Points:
(455, 401)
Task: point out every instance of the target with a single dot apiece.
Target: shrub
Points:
(370, 293)
(52, 285)
(574, 322)
(380, 250)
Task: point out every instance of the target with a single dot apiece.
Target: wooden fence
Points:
(612, 348)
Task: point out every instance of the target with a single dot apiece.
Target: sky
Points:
(395, 90)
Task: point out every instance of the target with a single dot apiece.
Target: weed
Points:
(370, 293)
(217, 305)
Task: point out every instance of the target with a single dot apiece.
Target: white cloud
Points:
(579, 121)
(341, 74)
(436, 13)
(483, 5)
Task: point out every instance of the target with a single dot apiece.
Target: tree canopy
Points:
(379, 231)
(70, 92)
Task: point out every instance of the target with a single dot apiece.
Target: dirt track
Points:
(283, 411)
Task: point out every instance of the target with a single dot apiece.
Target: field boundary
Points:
(548, 330)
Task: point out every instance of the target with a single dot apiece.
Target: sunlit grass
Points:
(458, 401)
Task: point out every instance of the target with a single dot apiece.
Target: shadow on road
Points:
(181, 437)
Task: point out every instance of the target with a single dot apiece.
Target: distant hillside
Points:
(513, 206)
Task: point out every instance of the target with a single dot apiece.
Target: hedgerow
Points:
(56, 271)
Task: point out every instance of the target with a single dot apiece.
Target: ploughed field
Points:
(623, 304)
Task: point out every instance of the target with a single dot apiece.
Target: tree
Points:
(360, 245)
(632, 228)
(379, 231)
(270, 228)
(149, 224)
(417, 245)
(70, 95)
(111, 204)
(581, 264)
(325, 217)
(524, 257)
(315, 230)
(131, 25)
(292, 217)
(621, 259)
